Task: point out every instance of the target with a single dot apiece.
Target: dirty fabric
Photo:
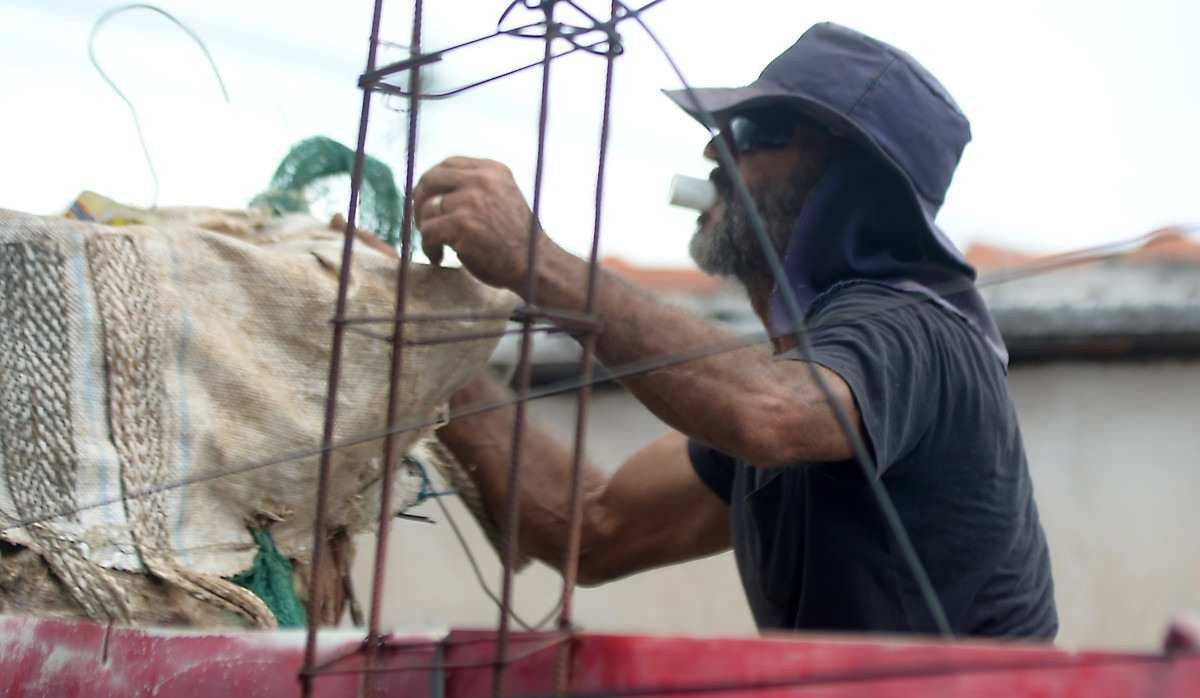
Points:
(195, 350)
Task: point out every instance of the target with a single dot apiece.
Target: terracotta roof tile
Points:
(1167, 245)
(986, 257)
(1172, 245)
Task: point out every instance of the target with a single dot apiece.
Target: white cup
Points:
(693, 192)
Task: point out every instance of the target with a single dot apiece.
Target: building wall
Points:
(1115, 455)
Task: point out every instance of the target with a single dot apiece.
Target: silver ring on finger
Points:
(436, 203)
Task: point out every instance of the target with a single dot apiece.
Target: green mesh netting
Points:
(312, 163)
(270, 579)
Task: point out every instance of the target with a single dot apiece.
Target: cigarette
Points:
(692, 192)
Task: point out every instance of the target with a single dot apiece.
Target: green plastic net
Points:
(313, 164)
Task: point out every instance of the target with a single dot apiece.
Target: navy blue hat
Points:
(865, 90)
(877, 96)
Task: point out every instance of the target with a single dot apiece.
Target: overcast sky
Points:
(1086, 115)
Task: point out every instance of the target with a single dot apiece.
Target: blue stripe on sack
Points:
(94, 396)
(184, 443)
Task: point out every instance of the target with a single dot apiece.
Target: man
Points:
(847, 146)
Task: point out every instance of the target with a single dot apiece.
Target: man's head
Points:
(780, 155)
(873, 96)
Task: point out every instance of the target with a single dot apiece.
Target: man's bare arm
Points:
(653, 511)
(742, 402)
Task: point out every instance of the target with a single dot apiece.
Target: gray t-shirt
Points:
(812, 548)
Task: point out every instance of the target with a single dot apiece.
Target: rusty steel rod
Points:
(390, 455)
(512, 525)
(335, 369)
(319, 525)
(570, 569)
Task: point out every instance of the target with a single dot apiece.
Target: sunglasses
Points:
(759, 130)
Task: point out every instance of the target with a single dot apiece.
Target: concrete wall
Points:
(1115, 455)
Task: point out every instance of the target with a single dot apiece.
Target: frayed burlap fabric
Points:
(135, 359)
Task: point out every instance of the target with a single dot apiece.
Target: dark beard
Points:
(730, 248)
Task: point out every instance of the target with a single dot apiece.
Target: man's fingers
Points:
(438, 231)
(433, 251)
(463, 162)
(451, 173)
(440, 205)
(439, 180)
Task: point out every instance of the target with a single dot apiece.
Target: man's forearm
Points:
(483, 444)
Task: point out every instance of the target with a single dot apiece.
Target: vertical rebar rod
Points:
(512, 505)
(335, 370)
(570, 569)
(390, 454)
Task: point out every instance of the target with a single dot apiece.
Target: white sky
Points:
(1086, 115)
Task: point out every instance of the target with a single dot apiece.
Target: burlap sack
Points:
(134, 359)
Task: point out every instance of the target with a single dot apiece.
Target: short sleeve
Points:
(878, 341)
(713, 467)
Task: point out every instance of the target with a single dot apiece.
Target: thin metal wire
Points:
(455, 338)
(800, 332)
(137, 122)
(474, 563)
(564, 316)
(1007, 275)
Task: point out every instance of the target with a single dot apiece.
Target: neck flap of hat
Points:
(859, 225)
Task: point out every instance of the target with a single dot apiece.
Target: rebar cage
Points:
(599, 38)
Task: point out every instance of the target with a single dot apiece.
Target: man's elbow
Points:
(592, 574)
(759, 437)
(597, 564)
(791, 434)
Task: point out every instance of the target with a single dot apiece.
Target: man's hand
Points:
(474, 206)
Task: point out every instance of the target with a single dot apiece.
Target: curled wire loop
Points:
(137, 123)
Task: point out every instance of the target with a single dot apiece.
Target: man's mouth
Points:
(721, 181)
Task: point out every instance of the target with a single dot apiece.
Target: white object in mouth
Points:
(693, 192)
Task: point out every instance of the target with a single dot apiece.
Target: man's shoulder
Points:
(870, 302)
(901, 323)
